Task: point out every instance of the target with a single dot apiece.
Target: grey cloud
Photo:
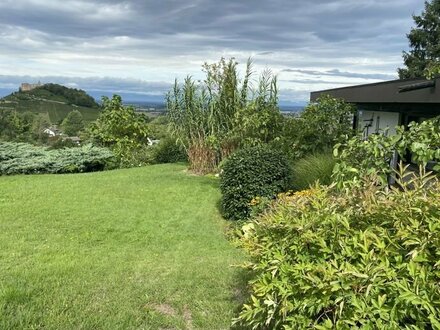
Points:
(265, 53)
(259, 25)
(354, 37)
(339, 73)
(317, 81)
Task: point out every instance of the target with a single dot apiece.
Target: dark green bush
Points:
(22, 158)
(361, 258)
(248, 173)
(306, 171)
(167, 151)
(60, 143)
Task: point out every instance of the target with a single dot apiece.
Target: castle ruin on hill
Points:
(25, 87)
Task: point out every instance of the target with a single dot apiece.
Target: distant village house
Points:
(52, 131)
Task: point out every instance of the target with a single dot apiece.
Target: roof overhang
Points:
(414, 91)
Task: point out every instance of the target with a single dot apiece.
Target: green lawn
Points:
(139, 248)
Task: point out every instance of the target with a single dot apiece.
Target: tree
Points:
(319, 127)
(424, 39)
(73, 123)
(122, 130)
(16, 125)
(41, 122)
(433, 70)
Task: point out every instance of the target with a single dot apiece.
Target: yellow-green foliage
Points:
(365, 258)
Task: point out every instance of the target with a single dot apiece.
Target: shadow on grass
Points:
(240, 292)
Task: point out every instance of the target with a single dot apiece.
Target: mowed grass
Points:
(139, 248)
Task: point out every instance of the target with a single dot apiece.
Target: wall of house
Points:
(376, 122)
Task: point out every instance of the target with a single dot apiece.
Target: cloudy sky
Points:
(138, 47)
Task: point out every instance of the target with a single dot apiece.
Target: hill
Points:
(54, 100)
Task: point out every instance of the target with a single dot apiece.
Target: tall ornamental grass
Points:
(315, 167)
(209, 117)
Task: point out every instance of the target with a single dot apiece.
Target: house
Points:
(383, 106)
(52, 131)
(49, 132)
(151, 142)
(388, 104)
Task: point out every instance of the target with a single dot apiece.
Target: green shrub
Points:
(167, 151)
(306, 171)
(248, 173)
(365, 258)
(357, 156)
(60, 143)
(22, 158)
(121, 129)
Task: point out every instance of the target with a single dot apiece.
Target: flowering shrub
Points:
(362, 258)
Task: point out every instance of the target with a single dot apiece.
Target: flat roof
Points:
(394, 91)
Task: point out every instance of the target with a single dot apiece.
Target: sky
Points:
(137, 48)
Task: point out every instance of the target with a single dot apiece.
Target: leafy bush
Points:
(122, 130)
(248, 173)
(167, 151)
(364, 258)
(59, 142)
(159, 127)
(319, 127)
(357, 157)
(22, 158)
(306, 171)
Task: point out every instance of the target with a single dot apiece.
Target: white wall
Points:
(374, 122)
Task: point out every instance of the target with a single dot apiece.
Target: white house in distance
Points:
(49, 132)
(52, 131)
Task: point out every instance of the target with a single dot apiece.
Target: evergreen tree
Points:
(73, 123)
(424, 40)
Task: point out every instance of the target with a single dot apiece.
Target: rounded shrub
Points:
(167, 151)
(248, 173)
